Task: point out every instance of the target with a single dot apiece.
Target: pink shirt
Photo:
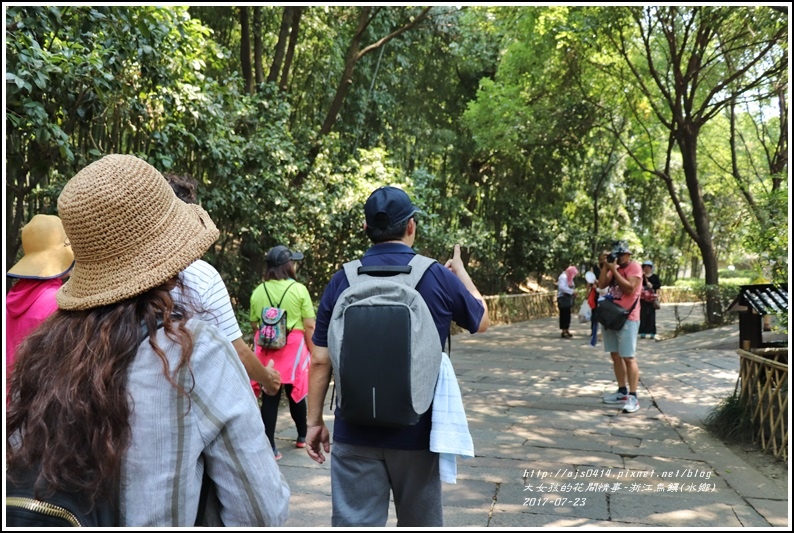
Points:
(28, 303)
(632, 270)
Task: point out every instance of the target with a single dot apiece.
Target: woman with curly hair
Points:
(121, 395)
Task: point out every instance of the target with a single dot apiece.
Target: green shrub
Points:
(730, 420)
(726, 293)
(738, 277)
(690, 328)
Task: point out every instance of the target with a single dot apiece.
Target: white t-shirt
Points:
(562, 285)
(208, 290)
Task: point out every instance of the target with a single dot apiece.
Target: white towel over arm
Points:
(449, 433)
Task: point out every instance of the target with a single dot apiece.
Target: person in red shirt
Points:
(622, 278)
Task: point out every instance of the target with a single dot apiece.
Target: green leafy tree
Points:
(531, 127)
(84, 81)
(503, 122)
(686, 65)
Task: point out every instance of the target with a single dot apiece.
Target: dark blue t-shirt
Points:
(448, 300)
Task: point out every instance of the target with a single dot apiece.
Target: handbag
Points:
(611, 315)
(584, 312)
(565, 301)
(592, 298)
(27, 506)
(647, 295)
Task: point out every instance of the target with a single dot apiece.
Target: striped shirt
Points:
(207, 291)
(217, 428)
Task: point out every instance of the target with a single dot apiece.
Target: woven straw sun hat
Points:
(47, 253)
(129, 232)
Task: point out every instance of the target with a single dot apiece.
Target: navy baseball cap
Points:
(387, 206)
(278, 255)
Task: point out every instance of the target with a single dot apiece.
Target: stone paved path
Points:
(549, 453)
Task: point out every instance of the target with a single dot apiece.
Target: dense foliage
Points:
(533, 136)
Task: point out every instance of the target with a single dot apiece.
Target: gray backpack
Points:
(384, 345)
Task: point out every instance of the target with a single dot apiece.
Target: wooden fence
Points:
(509, 308)
(763, 375)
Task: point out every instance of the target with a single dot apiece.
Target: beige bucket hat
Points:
(47, 252)
(129, 232)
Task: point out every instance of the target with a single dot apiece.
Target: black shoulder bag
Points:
(611, 315)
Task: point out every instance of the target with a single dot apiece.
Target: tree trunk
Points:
(281, 45)
(687, 143)
(596, 227)
(245, 50)
(744, 189)
(297, 12)
(354, 54)
(258, 69)
(779, 160)
(252, 269)
(346, 79)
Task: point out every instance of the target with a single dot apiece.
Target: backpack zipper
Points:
(39, 506)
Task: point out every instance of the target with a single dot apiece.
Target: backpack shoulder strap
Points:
(270, 301)
(285, 293)
(419, 264)
(264, 286)
(351, 271)
(409, 274)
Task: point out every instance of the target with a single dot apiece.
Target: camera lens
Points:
(611, 258)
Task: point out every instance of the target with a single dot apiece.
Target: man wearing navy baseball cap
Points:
(370, 462)
(388, 206)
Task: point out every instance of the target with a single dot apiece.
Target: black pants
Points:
(647, 318)
(270, 413)
(565, 318)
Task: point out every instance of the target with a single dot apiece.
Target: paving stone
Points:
(536, 417)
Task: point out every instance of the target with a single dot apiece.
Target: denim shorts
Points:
(623, 341)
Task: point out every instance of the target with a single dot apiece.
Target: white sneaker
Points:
(616, 397)
(632, 404)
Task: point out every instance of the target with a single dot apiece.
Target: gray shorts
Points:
(363, 476)
(623, 341)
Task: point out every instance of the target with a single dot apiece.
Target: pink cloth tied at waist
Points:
(292, 361)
